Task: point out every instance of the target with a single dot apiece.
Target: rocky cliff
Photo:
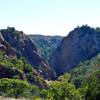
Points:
(4, 46)
(22, 44)
(81, 44)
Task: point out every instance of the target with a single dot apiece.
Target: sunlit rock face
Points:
(81, 44)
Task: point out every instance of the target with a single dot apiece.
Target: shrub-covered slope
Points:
(17, 77)
(84, 70)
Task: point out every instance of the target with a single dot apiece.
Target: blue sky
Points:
(49, 17)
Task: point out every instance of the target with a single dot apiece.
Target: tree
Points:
(91, 87)
(62, 91)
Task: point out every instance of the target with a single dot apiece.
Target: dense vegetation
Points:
(65, 87)
(18, 79)
(17, 88)
(86, 78)
(90, 87)
(16, 74)
(61, 91)
(85, 69)
(19, 82)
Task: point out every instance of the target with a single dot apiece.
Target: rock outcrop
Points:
(4, 46)
(22, 44)
(81, 44)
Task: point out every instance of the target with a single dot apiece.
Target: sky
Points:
(49, 17)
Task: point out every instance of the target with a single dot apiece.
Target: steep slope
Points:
(84, 70)
(4, 46)
(15, 67)
(19, 79)
(45, 44)
(24, 45)
(81, 44)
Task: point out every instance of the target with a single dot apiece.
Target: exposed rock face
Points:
(81, 44)
(6, 72)
(4, 46)
(25, 46)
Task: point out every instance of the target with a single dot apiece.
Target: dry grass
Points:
(2, 98)
(7, 98)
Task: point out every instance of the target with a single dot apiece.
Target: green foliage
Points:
(20, 64)
(17, 88)
(4, 61)
(85, 69)
(62, 91)
(85, 77)
(90, 88)
(18, 69)
(64, 78)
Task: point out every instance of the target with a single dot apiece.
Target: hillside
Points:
(45, 44)
(18, 78)
(80, 45)
(26, 75)
(84, 70)
(86, 78)
(23, 44)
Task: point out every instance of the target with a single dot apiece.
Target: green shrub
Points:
(85, 69)
(17, 88)
(61, 91)
(91, 87)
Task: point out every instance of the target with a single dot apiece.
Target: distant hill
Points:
(80, 45)
(45, 44)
